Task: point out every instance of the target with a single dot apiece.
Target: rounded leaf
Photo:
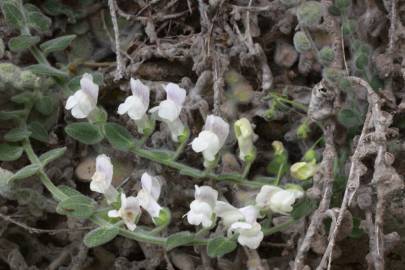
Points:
(118, 136)
(10, 152)
(220, 246)
(84, 132)
(179, 239)
(309, 13)
(301, 42)
(100, 236)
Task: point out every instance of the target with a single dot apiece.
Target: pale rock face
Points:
(202, 208)
(128, 212)
(84, 101)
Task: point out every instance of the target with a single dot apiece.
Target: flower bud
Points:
(245, 136)
(278, 165)
(303, 130)
(301, 42)
(309, 13)
(163, 218)
(303, 170)
(309, 155)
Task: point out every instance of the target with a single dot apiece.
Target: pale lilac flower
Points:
(84, 101)
(212, 138)
(241, 221)
(249, 234)
(137, 105)
(202, 208)
(169, 110)
(102, 178)
(277, 199)
(128, 212)
(149, 195)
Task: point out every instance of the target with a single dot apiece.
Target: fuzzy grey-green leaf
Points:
(51, 155)
(23, 42)
(17, 134)
(26, 172)
(10, 152)
(100, 236)
(84, 132)
(77, 206)
(220, 246)
(57, 44)
(118, 136)
(179, 239)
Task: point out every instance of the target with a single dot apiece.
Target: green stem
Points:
(246, 169)
(196, 173)
(279, 227)
(39, 56)
(182, 145)
(54, 190)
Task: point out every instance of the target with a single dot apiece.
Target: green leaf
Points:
(10, 152)
(100, 236)
(303, 208)
(76, 206)
(23, 98)
(220, 246)
(17, 134)
(36, 19)
(5, 184)
(350, 118)
(361, 61)
(179, 239)
(12, 115)
(26, 172)
(38, 132)
(118, 136)
(69, 191)
(51, 155)
(57, 44)
(13, 13)
(45, 105)
(23, 42)
(42, 69)
(84, 132)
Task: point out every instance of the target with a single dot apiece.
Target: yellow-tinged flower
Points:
(303, 170)
(245, 136)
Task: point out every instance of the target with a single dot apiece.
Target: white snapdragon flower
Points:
(230, 214)
(84, 101)
(212, 138)
(202, 208)
(249, 234)
(277, 199)
(169, 110)
(245, 136)
(137, 105)
(128, 212)
(149, 195)
(102, 178)
(241, 221)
